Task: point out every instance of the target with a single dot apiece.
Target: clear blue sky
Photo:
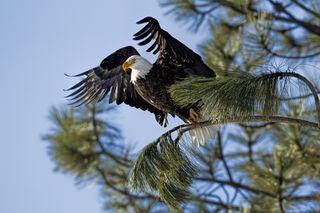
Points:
(39, 41)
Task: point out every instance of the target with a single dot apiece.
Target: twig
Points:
(269, 50)
(221, 205)
(257, 126)
(124, 192)
(298, 97)
(280, 197)
(219, 140)
(122, 162)
(237, 185)
(306, 8)
(303, 198)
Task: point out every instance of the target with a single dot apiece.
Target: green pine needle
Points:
(236, 95)
(164, 167)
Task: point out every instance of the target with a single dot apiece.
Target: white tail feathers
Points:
(200, 135)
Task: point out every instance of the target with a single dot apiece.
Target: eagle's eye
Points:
(132, 61)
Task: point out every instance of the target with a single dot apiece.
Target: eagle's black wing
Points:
(109, 77)
(170, 48)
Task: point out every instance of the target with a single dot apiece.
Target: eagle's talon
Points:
(193, 116)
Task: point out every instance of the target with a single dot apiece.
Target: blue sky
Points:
(41, 40)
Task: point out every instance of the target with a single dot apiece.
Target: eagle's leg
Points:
(193, 116)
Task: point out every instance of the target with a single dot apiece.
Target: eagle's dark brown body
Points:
(154, 89)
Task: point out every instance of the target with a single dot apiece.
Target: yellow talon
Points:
(193, 116)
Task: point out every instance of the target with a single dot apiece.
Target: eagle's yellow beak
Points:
(125, 66)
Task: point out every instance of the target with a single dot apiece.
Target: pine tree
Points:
(265, 156)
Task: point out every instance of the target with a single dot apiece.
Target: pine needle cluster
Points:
(236, 95)
(164, 167)
(73, 143)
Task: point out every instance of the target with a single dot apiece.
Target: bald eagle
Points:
(131, 79)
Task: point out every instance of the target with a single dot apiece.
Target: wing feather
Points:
(109, 78)
(170, 48)
(162, 38)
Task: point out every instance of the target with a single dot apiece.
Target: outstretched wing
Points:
(170, 48)
(109, 78)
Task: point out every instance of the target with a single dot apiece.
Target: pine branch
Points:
(280, 197)
(273, 53)
(219, 204)
(256, 126)
(183, 128)
(241, 94)
(236, 185)
(315, 197)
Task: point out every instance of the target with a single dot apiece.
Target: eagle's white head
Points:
(139, 66)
